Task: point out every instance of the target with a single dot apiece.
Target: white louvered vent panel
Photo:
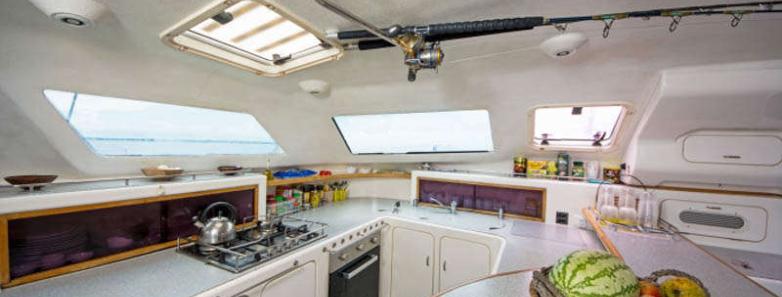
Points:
(711, 219)
(739, 222)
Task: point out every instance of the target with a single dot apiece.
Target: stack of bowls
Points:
(48, 249)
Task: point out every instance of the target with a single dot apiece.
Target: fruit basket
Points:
(541, 285)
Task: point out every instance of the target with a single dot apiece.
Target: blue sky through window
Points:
(125, 127)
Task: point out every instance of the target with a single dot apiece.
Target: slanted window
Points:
(416, 133)
(587, 127)
(254, 35)
(125, 127)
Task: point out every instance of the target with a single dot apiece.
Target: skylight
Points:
(254, 35)
(125, 127)
(413, 133)
(577, 126)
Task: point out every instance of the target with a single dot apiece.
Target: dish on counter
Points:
(230, 169)
(30, 182)
(162, 172)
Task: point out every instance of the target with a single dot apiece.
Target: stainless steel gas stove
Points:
(255, 245)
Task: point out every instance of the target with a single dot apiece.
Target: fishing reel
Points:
(419, 54)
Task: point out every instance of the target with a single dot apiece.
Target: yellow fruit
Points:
(681, 287)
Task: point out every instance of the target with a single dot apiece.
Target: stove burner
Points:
(249, 249)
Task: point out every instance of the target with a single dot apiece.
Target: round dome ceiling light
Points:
(315, 87)
(564, 44)
(74, 13)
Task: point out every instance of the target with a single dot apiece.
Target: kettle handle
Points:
(204, 217)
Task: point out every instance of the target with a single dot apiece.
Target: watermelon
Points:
(588, 273)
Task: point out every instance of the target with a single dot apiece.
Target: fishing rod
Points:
(421, 44)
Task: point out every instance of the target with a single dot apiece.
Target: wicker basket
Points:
(541, 286)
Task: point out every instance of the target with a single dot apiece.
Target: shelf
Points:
(316, 178)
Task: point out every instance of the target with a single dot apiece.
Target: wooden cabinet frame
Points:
(5, 264)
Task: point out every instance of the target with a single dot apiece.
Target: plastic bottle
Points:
(647, 210)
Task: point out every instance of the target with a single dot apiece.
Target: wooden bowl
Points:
(30, 179)
(162, 174)
(230, 169)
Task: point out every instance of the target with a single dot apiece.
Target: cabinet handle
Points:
(445, 263)
(427, 261)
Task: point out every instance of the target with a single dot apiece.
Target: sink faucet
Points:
(396, 207)
(452, 209)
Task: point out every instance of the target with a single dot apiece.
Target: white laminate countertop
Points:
(170, 274)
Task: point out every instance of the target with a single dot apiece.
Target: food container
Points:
(551, 168)
(593, 170)
(563, 164)
(520, 165)
(611, 174)
(535, 167)
(578, 169)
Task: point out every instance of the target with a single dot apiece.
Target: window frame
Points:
(619, 126)
(92, 150)
(177, 37)
(345, 141)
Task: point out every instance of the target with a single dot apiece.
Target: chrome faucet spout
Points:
(437, 201)
(451, 209)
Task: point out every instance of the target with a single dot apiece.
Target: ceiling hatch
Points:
(254, 35)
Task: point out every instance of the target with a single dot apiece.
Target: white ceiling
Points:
(122, 56)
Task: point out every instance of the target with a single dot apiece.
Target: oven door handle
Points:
(359, 269)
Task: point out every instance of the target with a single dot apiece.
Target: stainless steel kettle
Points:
(217, 229)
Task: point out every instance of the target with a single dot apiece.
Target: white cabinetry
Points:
(412, 260)
(299, 282)
(422, 259)
(461, 261)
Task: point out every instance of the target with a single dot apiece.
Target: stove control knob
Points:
(361, 247)
(343, 257)
(374, 240)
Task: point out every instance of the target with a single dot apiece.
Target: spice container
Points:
(611, 174)
(316, 195)
(328, 193)
(578, 168)
(551, 168)
(519, 165)
(563, 164)
(593, 170)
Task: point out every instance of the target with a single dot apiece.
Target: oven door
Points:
(360, 278)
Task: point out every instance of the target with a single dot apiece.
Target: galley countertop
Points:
(170, 274)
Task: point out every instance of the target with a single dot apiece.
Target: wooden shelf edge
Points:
(316, 178)
(589, 215)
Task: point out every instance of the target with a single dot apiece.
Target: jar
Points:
(551, 168)
(520, 165)
(563, 164)
(578, 169)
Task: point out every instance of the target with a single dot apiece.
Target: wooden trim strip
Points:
(467, 182)
(314, 179)
(713, 191)
(88, 264)
(589, 216)
(86, 207)
(5, 262)
(5, 280)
